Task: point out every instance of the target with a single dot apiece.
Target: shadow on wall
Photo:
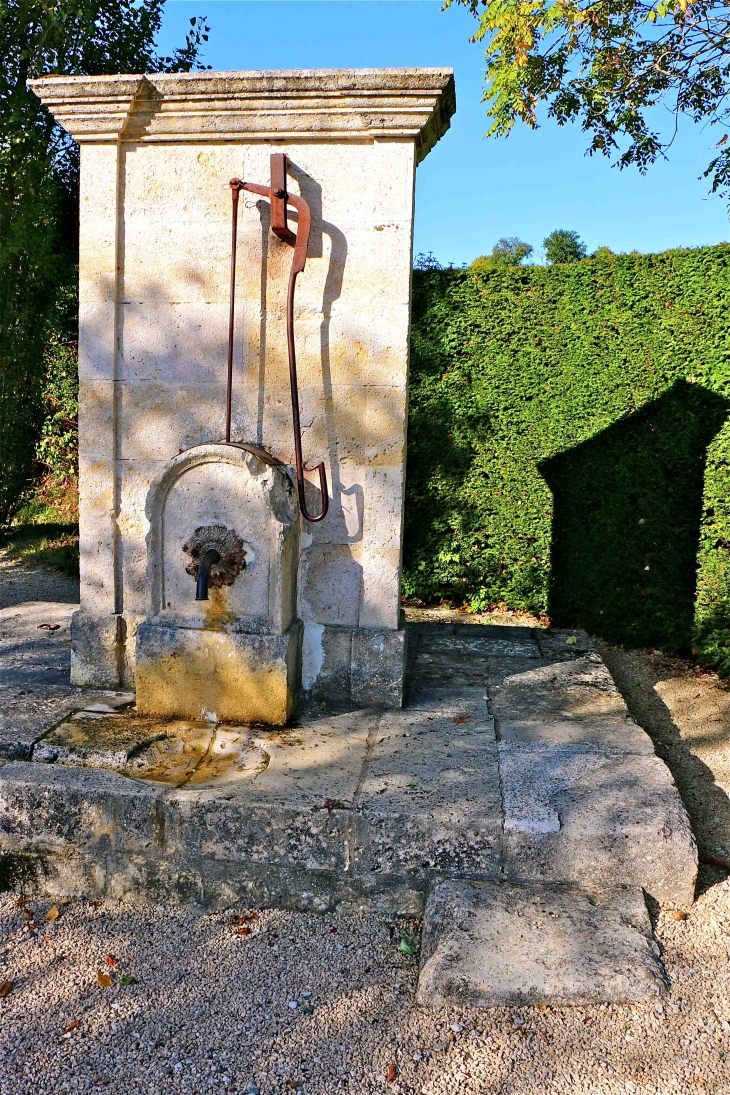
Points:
(626, 521)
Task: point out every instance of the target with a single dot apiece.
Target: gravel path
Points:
(19, 583)
(213, 1010)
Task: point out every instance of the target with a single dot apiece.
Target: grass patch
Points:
(53, 545)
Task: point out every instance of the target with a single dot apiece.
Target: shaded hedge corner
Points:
(569, 449)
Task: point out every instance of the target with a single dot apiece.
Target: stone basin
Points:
(176, 752)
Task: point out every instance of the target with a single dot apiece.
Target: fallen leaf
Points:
(95, 904)
(53, 913)
(104, 979)
(245, 930)
(407, 947)
(679, 915)
(48, 938)
(127, 979)
(333, 929)
(27, 914)
(48, 627)
(461, 719)
(111, 960)
(391, 1073)
(19, 901)
(5, 988)
(712, 861)
(572, 641)
(72, 1026)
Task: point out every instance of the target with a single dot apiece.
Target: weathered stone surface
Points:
(56, 809)
(154, 285)
(97, 649)
(494, 944)
(378, 667)
(561, 644)
(431, 796)
(355, 105)
(621, 733)
(327, 662)
(34, 675)
(477, 641)
(579, 688)
(223, 676)
(592, 816)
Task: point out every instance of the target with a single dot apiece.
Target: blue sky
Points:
(470, 191)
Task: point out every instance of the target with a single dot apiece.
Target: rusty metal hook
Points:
(279, 199)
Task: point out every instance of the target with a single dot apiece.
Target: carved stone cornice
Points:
(307, 104)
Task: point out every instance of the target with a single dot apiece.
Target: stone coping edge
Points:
(296, 105)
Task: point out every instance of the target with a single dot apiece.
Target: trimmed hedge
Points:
(569, 445)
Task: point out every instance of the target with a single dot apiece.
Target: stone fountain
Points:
(316, 608)
(514, 801)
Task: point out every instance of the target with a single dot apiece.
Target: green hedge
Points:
(569, 445)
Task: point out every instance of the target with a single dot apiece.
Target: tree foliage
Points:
(508, 251)
(38, 187)
(563, 246)
(606, 64)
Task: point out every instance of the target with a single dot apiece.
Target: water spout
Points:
(209, 559)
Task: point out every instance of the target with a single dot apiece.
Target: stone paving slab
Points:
(467, 644)
(619, 734)
(560, 644)
(582, 814)
(431, 795)
(495, 944)
(579, 688)
(515, 762)
(35, 693)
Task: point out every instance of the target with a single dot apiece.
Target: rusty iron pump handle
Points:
(277, 194)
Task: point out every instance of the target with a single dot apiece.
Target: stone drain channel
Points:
(513, 802)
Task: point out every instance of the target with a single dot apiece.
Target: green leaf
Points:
(407, 947)
(127, 979)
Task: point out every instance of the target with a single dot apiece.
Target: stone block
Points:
(378, 667)
(577, 688)
(230, 677)
(619, 733)
(97, 649)
(431, 797)
(330, 584)
(494, 944)
(475, 642)
(54, 808)
(596, 817)
(238, 831)
(327, 662)
(560, 644)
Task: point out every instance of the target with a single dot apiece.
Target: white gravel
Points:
(211, 1010)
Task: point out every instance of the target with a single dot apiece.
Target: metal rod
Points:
(235, 190)
(298, 262)
(294, 386)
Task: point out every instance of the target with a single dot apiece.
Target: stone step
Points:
(497, 944)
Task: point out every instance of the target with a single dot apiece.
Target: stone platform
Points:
(513, 789)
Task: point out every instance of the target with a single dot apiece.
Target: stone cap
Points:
(298, 105)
